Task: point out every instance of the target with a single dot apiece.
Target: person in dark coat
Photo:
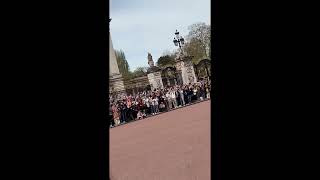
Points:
(190, 94)
(185, 95)
(124, 112)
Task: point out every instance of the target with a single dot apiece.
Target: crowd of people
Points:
(129, 108)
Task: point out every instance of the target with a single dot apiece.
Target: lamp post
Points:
(178, 40)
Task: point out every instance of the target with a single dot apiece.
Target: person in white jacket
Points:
(173, 98)
(151, 105)
(169, 100)
(156, 104)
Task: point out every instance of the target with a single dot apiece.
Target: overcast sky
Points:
(142, 26)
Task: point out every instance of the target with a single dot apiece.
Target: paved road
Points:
(169, 146)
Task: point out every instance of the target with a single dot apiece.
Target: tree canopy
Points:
(197, 44)
(198, 41)
(139, 71)
(166, 60)
(124, 68)
(122, 64)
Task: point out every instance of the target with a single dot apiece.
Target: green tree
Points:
(198, 41)
(166, 60)
(139, 71)
(193, 48)
(123, 64)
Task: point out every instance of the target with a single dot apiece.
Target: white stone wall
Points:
(155, 80)
(188, 74)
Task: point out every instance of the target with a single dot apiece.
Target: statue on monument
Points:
(150, 60)
(152, 68)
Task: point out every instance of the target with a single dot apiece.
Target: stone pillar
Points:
(155, 80)
(116, 84)
(187, 70)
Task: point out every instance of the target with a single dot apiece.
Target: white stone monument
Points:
(116, 84)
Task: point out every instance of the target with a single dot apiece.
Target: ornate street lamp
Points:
(178, 40)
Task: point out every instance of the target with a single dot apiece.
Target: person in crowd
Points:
(176, 91)
(111, 115)
(158, 93)
(139, 115)
(125, 108)
(123, 111)
(140, 104)
(151, 104)
(134, 110)
(131, 110)
(203, 92)
(147, 103)
(156, 104)
(181, 93)
(144, 114)
(173, 98)
(128, 101)
(165, 101)
(185, 94)
(140, 101)
(115, 112)
(168, 97)
(208, 92)
(162, 107)
(198, 93)
(195, 93)
(190, 93)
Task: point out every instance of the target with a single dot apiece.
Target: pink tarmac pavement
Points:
(170, 146)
